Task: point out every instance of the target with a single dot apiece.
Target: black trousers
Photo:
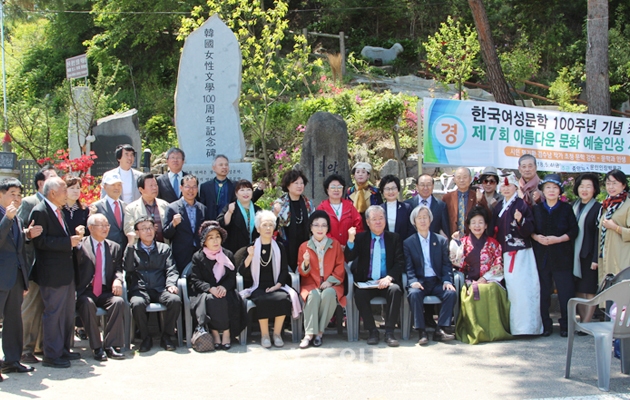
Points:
(139, 301)
(58, 320)
(113, 331)
(566, 289)
(212, 312)
(393, 295)
(11, 312)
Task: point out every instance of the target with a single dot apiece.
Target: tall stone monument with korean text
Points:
(206, 101)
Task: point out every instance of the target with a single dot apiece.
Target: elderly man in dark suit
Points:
(429, 273)
(54, 272)
(13, 273)
(461, 201)
(112, 207)
(182, 222)
(151, 277)
(377, 256)
(33, 306)
(168, 183)
(424, 187)
(99, 277)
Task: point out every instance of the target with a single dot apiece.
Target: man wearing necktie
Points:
(99, 277)
(113, 208)
(54, 272)
(168, 183)
(377, 255)
(14, 273)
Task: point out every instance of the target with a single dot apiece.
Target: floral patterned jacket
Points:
(491, 259)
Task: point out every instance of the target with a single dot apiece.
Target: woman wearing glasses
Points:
(321, 266)
(614, 226)
(341, 212)
(489, 181)
(267, 268)
(238, 218)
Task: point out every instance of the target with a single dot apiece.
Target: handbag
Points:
(202, 341)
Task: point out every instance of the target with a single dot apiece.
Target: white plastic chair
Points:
(604, 332)
(182, 285)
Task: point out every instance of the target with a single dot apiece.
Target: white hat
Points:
(110, 179)
(363, 165)
(509, 180)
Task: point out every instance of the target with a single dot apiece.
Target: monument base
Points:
(204, 172)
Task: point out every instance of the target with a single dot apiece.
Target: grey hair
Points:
(92, 218)
(214, 163)
(416, 211)
(173, 150)
(371, 209)
(264, 214)
(464, 169)
(51, 184)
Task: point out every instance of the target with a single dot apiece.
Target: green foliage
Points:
(564, 89)
(521, 63)
(383, 111)
(452, 53)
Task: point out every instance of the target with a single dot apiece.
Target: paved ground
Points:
(518, 369)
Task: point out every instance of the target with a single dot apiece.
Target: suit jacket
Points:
(360, 255)
(440, 214)
(451, 199)
(134, 186)
(590, 241)
(403, 225)
(208, 196)
(116, 233)
(12, 254)
(136, 209)
(184, 239)
(440, 261)
(238, 236)
(54, 266)
(86, 265)
(24, 213)
(165, 188)
(155, 270)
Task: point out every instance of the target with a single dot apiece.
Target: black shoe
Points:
(440, 336)
(16, 367)
(99, 354)
(114, 354)
(146, 345)
(564, 333)
(424, 339)
(56, 363)
(68, 355)
(80, 333)
(166, 343)
(317, 341)
(29, 358)
(226, 346)
(390, 339)
(217, 346)
(373, 338)
(547, 332)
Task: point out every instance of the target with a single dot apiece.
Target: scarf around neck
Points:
(360, 203)
(611, 204)
(528, 188)
(222, 261)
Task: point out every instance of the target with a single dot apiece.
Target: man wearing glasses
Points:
(424, 187)
(151, 278)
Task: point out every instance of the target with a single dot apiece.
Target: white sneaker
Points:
(277, 341)
(265, 342)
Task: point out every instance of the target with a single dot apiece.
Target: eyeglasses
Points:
(319, 226)
(489, 181)
(102, 226)
(390, 189)
(335, 187)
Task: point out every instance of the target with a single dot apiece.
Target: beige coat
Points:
(617, 246)
(136, 209)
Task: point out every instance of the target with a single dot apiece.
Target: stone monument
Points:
(324, 152)
(111, 131)
(206, 101)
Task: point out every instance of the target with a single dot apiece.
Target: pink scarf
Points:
(296, 306)
(222, 261)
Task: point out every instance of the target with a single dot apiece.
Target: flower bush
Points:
(90, 191)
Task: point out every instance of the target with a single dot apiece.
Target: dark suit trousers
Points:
(10, 310)
(32, 311)
(432, 287)
(362, 298)
(213, 312)
(566, 290)
(113, 331)
(141, 299)
(58, 319)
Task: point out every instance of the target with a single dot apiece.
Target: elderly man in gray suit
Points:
(33, 306)
(13, 273)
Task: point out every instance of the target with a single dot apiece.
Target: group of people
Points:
(511, 239)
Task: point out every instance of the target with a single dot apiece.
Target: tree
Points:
(597, 85)
(494, 73)
(266, 76)
(451, 53)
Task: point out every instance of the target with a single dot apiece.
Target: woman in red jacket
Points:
(342, 213)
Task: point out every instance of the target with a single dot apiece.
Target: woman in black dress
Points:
(212, 287)
(585, 252)
(74, 212)
(238, 218)
(293, 210)
(266, 266)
